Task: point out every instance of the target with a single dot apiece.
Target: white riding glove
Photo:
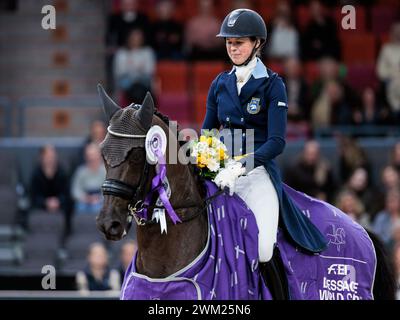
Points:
(227, 176)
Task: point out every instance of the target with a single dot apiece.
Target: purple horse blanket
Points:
(227, 268)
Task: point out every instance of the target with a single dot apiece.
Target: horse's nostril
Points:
(115, 228)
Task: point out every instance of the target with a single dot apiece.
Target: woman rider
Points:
(251, 96)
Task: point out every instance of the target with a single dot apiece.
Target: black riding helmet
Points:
(242, 23)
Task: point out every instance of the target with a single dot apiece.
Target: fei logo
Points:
(338, 269)
(49, 20)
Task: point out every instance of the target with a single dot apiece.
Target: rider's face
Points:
(239, 49)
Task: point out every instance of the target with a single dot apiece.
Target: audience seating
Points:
(382, 17)
(358, 48)
(361, 76)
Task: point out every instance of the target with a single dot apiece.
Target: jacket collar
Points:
(260, 71)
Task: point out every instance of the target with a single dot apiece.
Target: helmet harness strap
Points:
(253, 52)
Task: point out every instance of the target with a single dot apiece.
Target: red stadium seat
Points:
(382, 17)
(204, 73)
(223, 7)
(311, 71)
(176, 106)
(275, 66)
(360, 76)
(267, 10)
(172, 77)
(393, 3)
(358, 48)
(200, 100)
(302, 16)
(190, 8)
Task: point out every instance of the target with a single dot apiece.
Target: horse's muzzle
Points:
(112, 229)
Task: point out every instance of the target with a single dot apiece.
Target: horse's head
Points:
(124, 155)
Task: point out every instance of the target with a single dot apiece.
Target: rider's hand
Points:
(227, 176)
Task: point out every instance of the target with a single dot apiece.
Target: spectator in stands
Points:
(284, 38)
(331, 107)
(393, 97)
(351, 157)
(329, 71)
(121, 24)
(134, 68)
(127, 253)
(50, 186)
(396, 233)
(396, 261)
(320, 38)
(388, 71)
(297, 90)
(87, 181)
(390, 178)
(388, 63)
(371, 113)
(97, 132)
(349, 203)
(97, 276)
(167, 34)
(96, 135)
(311, 173)
(387, 218)
(395, 157)
(200, 40)
(359, 183)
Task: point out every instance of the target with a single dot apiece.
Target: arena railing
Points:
(359, 131)
(58, 295)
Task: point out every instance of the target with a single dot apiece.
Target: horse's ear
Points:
(145, 113)
(109, 106)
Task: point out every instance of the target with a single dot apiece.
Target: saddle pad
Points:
(226, 269)
(345, 270)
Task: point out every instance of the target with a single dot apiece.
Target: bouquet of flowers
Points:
(210, 154)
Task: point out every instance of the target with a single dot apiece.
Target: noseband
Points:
(126, 191)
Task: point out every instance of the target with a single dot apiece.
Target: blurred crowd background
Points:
(343, 123)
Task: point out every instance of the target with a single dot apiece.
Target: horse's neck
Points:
(160, 255)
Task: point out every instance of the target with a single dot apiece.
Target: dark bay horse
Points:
(129, 180)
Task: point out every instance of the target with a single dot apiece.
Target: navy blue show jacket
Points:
(262, 105)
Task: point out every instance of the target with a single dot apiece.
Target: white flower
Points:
(202, 147)
(213, 165)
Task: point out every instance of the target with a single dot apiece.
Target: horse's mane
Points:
(164, 118)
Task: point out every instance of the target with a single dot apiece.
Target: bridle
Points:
(136, 194)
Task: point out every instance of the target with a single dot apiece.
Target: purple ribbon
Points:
(157, 185)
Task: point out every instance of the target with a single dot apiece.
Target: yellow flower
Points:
(203, 138)
(202, 160)
(221, 154)
(209, 141)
